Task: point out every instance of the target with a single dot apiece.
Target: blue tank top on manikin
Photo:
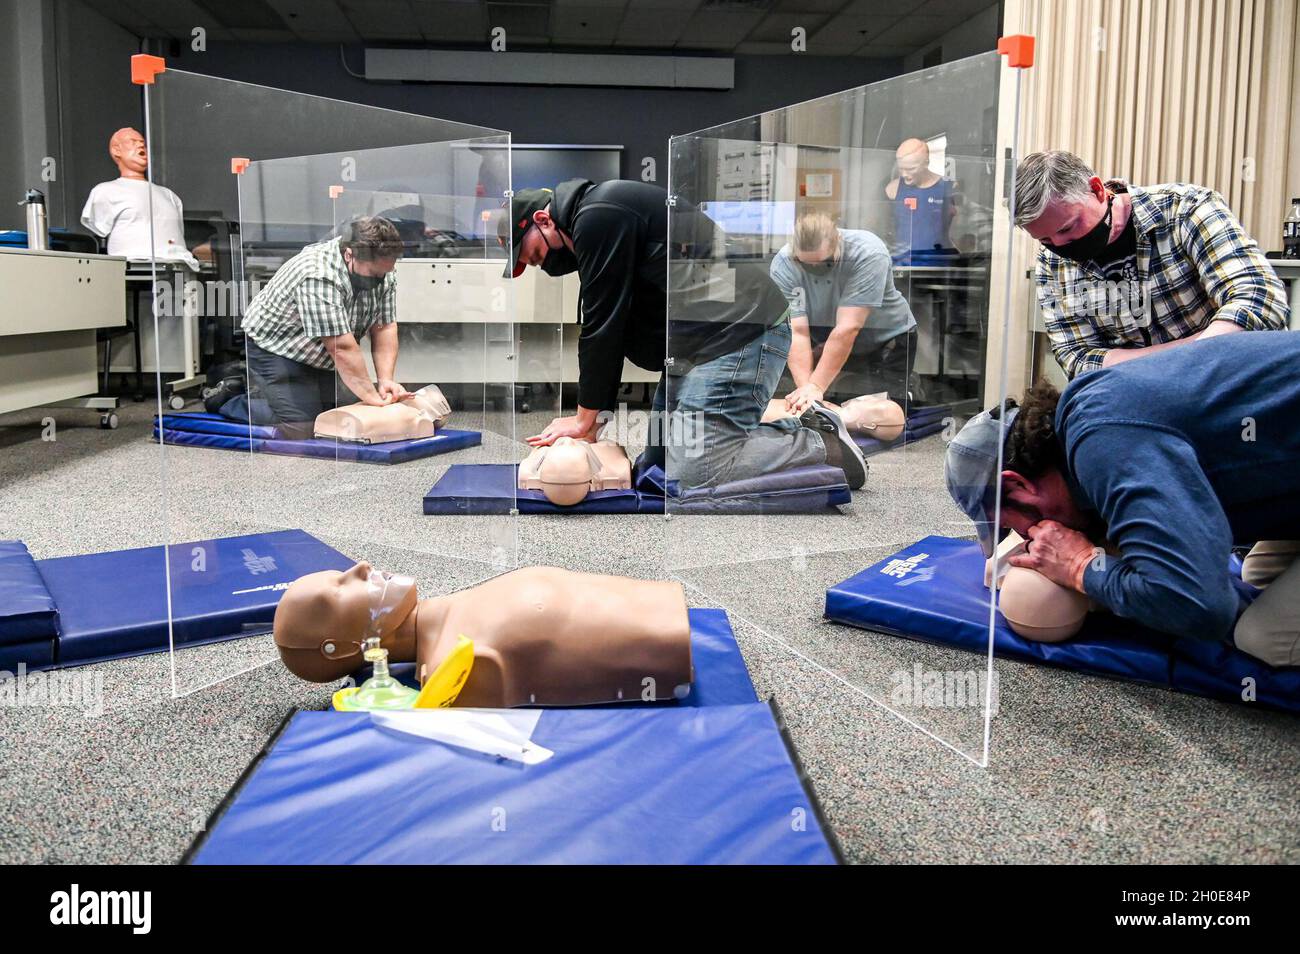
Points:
(926, 226)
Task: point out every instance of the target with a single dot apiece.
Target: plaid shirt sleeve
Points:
(322, 308)
(1076, 345)
(386, 306)
(1233, 270)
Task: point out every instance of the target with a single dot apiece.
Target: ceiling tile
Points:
(810, 6)
(914, 31)
(263, 36)
(962, 8)
(313, 16)
(776, 27)
(649, 28)
(585, 23)
(451, 21)
(520, 21)
(718, 29)
(885, 9)
(381, 18)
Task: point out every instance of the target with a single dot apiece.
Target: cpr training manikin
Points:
(537, 636)
(414, 417)
(1033, 606)
(569, 469)
(872, 415)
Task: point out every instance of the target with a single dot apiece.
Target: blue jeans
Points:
(713, 431)
(286, 394)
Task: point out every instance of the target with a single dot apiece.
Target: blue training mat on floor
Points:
(934, 590)
(721, 678)
(212, 430)
(489, 488)
(114, 604)
(28, 617)
(710, 785)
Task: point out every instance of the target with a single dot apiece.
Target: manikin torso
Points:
(417, 416)
(542, 635)
(546, 636)
(569, 469)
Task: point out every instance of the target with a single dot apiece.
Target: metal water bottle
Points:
(1291, 232)
(38, 233)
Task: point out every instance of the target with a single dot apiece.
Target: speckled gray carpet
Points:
(1080, 769)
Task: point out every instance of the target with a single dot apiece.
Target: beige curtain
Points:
(1160, 91)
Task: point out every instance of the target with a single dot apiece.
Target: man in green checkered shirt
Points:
(305, 326)
(1126, 271)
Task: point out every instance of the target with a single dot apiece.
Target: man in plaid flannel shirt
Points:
(305, 326)
(1126, 271)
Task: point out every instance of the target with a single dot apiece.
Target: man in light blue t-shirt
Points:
(848, 320)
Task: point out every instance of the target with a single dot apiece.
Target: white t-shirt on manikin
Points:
(120, 211)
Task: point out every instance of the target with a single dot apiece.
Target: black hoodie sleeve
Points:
(605, 240)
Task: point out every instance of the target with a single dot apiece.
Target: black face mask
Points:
(1088, 247)
(819, 269)
(558, 261)
(364, 283)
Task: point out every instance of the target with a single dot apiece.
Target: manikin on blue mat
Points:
(934, 590)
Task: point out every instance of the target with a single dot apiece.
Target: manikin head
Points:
(323, 619)
(1038, 609)
(1034, 486)
(1058, 197)
(431, 402)
(565, 470)
(127, 150)
(913, 159)
(874, 415)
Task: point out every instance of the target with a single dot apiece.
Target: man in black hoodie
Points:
(730, 332)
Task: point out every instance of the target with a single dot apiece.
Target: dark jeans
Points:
(286, 394)
(712, 430)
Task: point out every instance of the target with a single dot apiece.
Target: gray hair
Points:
(1044, 177)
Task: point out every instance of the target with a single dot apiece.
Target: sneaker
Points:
(215, 398)
(844, 454)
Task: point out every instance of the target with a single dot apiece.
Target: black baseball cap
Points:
(523, 205)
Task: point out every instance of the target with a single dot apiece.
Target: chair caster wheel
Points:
(176, 402)
(108, 421)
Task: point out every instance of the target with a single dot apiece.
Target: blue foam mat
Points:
(720, 678)
(490, 488)
(114, 604)
(937, 594)
(27, 610)
(211, 430)
(709, 785)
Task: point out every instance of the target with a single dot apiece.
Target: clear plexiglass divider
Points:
(363, 342)
(839, 251)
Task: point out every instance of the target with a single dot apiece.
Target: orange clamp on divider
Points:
(237, 166)
(145, 67)
(336, 191)
(910, 202)
(1018, 49)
